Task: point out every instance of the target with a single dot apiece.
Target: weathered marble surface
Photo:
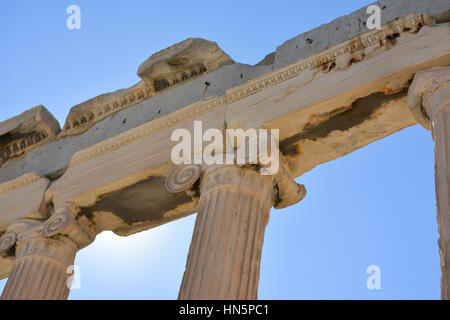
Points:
(52, 158)
(325, 107)
(23, 198)
(353, 25)
(225, 252)
(429, 101)
(111, 160)
(233, 211)
(182, 62)
(24, 132)
(43, 252)
(170, 67)
(20, 199)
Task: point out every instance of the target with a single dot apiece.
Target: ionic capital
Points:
(284, 190)
(43, 251)
(66, 225)
(9, 239)
(429, 95)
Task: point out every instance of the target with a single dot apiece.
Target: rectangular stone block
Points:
(354, 24)
(22, 198)
(25, 132)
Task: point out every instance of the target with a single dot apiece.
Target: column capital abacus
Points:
(286, 191)
(9, 239)
(429, 95)
(67, 222)
(65, 225)
(43, 252)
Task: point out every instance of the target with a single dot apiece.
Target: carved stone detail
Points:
(58, 223)
(81, 117)
(95, 109)
(182, 178)
(8, 244)
(181, 62)
(24, 132)
(147, 130)
(166, 68)
(7, 241)
(192, 57)
(43, 253)
(288, 191)
(20, 182)
(405, 24)
(66, 222)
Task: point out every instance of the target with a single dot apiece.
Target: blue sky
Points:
(375, 206)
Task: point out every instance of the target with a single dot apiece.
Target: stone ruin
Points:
(329, 91)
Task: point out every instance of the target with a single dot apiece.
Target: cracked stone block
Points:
(22, 133)
(181, 62)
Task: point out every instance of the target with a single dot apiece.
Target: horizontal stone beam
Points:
(52, 158)
(170, 67)
(182, 67)
(345, 97)
(325, 106)
(24, 132)
(353, 25)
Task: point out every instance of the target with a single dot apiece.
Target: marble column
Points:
(233, 212)
(429, 101)
(43, 252)
(225, 252)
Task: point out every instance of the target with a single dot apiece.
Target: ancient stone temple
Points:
(110, 166)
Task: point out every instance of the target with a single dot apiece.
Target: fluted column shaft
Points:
(429, 100)
(43, 253)
(40, 270)
(441, 131)
(225, 252)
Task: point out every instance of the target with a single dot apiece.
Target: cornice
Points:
(111, 105)
(409, 22)
(147, 130)
(404, 24)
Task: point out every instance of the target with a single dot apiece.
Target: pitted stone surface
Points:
(52, 158)
(182, 62)
(354, 24)
(26, 131)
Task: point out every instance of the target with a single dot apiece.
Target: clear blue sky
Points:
(374, 206)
